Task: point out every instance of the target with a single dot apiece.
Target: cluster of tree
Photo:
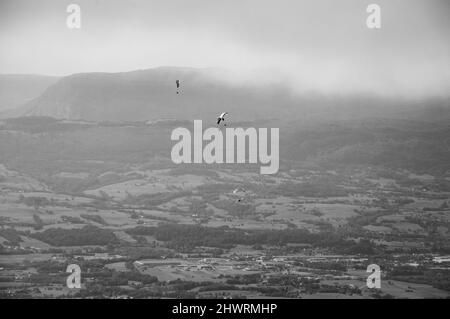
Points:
(339, 289)
(184, 285)
(215, 188)
(72, 220)
(403, 201)
(309, 189)
(88, 235)
(46, 279)
(438, 278)
(244, 279)
(49, 266)
(11, 235)
(121, 278)
(365, 218)
(100, 291)
(308, 285)
(322, 225)
(380, 295)
(293, 281)
(183, 236)
(35, 202)
(236, 209)
(156, 199)
(135, 253)
(95, 218)
(327, 265)
(38, 222)
(16, 294)
(218, 286)
(444, 206)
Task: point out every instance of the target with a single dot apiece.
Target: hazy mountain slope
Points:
(404, 144)
(17, 89)
(46, 146)
(150, 94)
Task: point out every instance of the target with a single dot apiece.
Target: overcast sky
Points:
(320, 45)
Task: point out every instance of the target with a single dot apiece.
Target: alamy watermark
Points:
(73, 20)
(234, 149)
(374, 279)
(373, 20)
(74, 279)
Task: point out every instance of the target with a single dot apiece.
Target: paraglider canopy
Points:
(178, 85)
(221, 118)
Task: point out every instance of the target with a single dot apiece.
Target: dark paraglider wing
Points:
(178, 83)
(218, 120)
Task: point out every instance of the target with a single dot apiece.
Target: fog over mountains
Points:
(18, 89)
(151, 94)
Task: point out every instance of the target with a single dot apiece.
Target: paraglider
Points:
(240, 193)
(178, 85)
(221, 118)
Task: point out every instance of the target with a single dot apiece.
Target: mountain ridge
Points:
(18, 89)
(149, 94)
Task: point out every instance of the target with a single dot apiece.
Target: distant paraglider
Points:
(178, 85)
(241, 193)
(221, 118)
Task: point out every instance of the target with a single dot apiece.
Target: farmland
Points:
(108, 198)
